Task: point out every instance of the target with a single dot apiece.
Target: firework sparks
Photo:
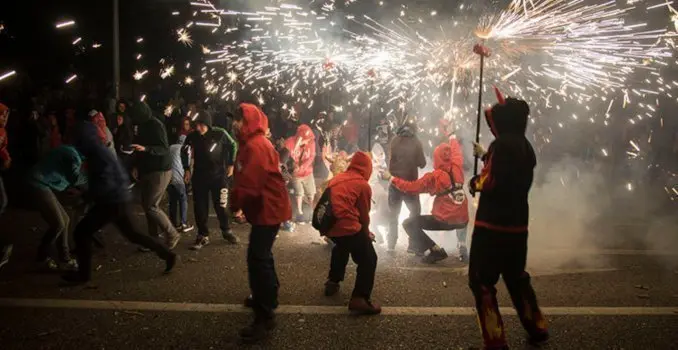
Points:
(184, 37)
(65, 24)
(71, 78)
(7, 75)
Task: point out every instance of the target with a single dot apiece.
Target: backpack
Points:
(323, 217)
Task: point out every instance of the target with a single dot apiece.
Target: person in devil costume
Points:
(499, 243)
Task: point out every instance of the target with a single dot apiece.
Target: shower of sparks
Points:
(184, 37)
(167, 72)
(71, 78)
(65, 24)
(76, 41)
(7, 75)
(140, 75)
(188, 81)
(169, 109)
(96, 45)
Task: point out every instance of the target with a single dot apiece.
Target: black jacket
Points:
(506, 178)
(150, 134)
(212, 153)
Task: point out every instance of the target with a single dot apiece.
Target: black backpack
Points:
(323, 217)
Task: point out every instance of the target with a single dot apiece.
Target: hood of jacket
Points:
(305, 132)
(508, 118)
(442, 158)
(406, 130)
(254, 122)
(141, 113)
(362, 164)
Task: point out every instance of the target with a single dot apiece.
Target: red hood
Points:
(254, 122)
(362, 164)
(457, 156)
(304, 131)
(442, 158)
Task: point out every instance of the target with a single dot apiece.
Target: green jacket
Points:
(152, 135)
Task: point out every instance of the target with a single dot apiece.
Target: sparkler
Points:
(7, 75)
(65, 24)
(71, 78)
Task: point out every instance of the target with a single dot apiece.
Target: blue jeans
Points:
(177, 196)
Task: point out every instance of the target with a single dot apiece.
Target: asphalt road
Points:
(616, 298)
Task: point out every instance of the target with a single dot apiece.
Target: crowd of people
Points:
(253, 169)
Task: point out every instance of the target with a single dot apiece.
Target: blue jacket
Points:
(59, 170)
(177, 165)
(108, 182)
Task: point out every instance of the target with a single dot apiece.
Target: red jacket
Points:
(4, 153)
(351, 197)
(450, 204)
(303, 156)
(258, 189)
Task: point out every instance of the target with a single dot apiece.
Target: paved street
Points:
(616, 298)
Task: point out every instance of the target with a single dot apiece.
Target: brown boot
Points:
(362, 306)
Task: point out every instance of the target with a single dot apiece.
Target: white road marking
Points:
(320, 310)
(535, 273)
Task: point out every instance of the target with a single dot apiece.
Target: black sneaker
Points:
(435, 256)
(170, 262)
(230, 237)
(331, 288)
(538, 339)
(249, 301)
(258, 330)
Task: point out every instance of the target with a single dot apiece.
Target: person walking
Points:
(154, 170)
(499, 243)
(178, 198)
(259, 190)
(213, 153)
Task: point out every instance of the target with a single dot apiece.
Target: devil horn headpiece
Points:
(500, 97)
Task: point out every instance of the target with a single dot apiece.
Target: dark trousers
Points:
(263, 279)
(217, 191)
(99, 215)
(178, 199)
(502, 253)
(415, 226)
(360, 248)
(395, 203)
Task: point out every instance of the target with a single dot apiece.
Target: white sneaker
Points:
(200, 242)
(185, 228)
(72, 264)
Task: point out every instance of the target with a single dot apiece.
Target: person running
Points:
(406, 154)
(499, 246)
(450, 206)
(213, 152)
(178, 198)
(351, 196)
(259, 190)
(155, 170)
(59, 171)
(112, 203)
(5, 164)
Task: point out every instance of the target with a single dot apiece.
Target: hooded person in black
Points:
(154, 165)
(406, 154)
(499, 244)
(213, 152)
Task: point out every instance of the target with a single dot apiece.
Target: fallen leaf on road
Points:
(643, 296)
(640, 286)
(192, 259)
(112, 272)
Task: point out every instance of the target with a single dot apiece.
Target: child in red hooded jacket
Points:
(5, 163)
(302, 150)
(259, 191)
(450, 206)
(351, 197)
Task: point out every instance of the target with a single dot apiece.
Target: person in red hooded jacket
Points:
(450, 206)
(499, 246)
(302, 150)
(351, 197)
(259, 191)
